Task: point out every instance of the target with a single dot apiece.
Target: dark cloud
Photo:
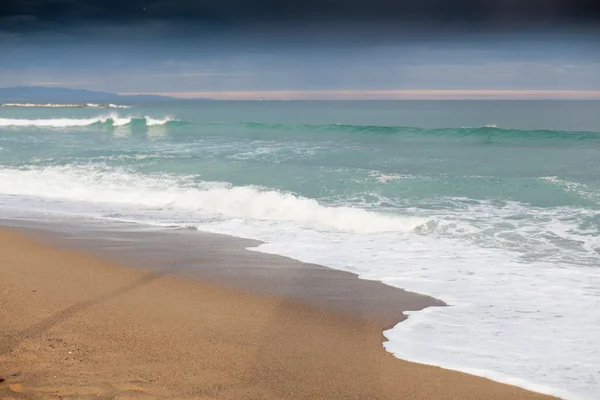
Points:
(199, 45)
(301, 15)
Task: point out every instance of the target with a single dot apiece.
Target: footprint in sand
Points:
(7, 389)
(15, 387)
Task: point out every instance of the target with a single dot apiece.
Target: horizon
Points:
(354, 95)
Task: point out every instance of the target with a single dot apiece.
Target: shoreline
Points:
(227, 261)
(145, 334)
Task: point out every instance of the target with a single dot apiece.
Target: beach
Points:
(76, 325)
(345, 208)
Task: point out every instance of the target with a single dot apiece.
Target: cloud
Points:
(142, 55)
(314, 71)
(307, 15)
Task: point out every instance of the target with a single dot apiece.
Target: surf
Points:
(108, 120)
(58, 105)
(207, 199)
(487, 134)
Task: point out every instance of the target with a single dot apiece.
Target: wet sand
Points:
(226, 261)
(78, 326)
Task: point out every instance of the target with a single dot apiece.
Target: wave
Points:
(488, 132)
(91, 105)
(569, 186)
(112, 120)
(54, 122)
(157, 122)
(55, 105)
(396, 344)
(485, 134)
(202, 200)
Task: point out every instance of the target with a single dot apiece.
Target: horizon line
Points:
(424, 94)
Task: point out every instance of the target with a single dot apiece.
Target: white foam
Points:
(157, 122)
(54, 122)
(120, 187)
(55, 105)
(112, 119)
(428, 356)
(120, 121)
(569, 186)
(529, 324)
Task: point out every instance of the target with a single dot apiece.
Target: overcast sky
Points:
(304, 49)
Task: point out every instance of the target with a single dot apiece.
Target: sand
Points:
(76, 326)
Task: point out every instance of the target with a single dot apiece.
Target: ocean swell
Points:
(490, 133)
(486, 134)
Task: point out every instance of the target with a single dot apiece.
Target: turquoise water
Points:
(493, 207)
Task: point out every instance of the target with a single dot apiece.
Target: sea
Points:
(491, 206)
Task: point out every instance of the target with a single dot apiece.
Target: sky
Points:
(311, 49)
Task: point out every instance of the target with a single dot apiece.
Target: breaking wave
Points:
(486, 134)
(203, 199)
(56, 105)
(157, 122)
(112, 120)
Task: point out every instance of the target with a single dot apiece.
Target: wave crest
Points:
(200, 200)
(111, 119)
(487, 134)
(157, 122)
(57, 105)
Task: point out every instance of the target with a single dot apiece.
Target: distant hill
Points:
(42, 94)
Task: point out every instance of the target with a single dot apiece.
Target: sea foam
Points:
(111, 119)
(117, 186)
(55, 105)
(157, 122)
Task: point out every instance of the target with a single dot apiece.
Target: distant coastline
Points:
(55, 97)
(51, 105)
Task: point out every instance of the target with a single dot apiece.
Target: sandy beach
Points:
(77, 326)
